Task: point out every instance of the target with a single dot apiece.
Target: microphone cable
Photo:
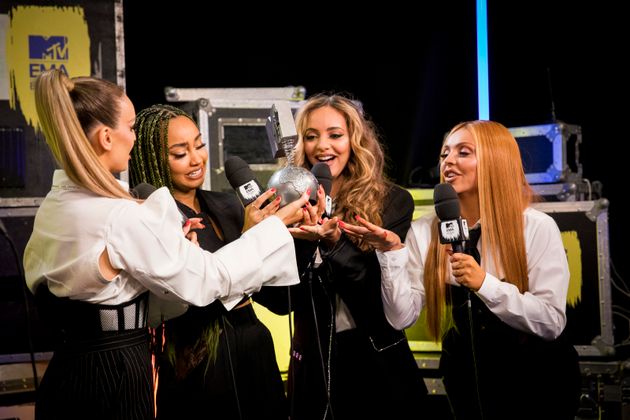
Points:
(27, 306)
(473, 352)
(326, 368)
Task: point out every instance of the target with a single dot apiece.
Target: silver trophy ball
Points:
(291, 182)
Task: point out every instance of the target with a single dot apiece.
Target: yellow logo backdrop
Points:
(41, 38)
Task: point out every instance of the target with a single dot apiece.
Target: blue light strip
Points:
(483, 90)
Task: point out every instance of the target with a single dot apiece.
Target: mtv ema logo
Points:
(47, 52)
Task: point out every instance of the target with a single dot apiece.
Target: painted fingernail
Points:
(357, 217)
(188, 222)
(273, 190)
(308, 191)
(342, 224)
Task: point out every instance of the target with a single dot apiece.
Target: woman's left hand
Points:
(466, 271)
(192, 223)
(380, 238)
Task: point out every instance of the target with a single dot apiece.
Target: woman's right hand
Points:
(254, 214)
(293, 212)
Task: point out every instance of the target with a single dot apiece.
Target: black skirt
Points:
(243, 383)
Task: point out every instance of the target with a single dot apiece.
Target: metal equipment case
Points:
(550, 152)
(584, 227)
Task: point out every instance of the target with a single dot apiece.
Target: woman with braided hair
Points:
(96, 252)
(212, 355)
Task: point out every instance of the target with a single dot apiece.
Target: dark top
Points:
(244, 381)
(369, 371)
(493, 371)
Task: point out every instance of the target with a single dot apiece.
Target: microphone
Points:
(242, 179)
(324, 177)
(143, 190)
(452, 229)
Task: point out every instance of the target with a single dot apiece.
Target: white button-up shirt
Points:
(540, 310)
(73, 227)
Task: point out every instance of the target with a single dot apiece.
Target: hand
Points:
(192, 223)
(254, 214)
(293, 212)
(328, 231)
(379, 238)
(466, 271)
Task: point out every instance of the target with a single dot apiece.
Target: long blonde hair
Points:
(365, 186)
(503, 196)
(68, 109)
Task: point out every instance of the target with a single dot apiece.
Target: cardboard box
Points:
(550, 152)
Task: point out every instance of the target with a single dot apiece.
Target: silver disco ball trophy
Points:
(291, 181)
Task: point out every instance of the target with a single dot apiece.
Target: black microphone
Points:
(324, 177)
(242, 179)
(452, 229)
(143, 190)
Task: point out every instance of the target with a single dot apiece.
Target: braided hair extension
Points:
(149, 157)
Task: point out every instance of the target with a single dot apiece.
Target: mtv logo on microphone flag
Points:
(250, 190)
(450, 230)
(453, 230)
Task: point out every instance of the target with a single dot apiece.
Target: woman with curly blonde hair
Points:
(347, 361)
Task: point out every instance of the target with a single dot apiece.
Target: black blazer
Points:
(355, 276)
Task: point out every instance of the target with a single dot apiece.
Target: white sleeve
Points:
(541, 309)
(147, 242)
(402, 276)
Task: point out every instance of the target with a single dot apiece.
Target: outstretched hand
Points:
(328, 231)
(378, 237)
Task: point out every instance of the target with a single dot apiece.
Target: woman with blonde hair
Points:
(347, 361)
(499, 307)
(96, 252)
